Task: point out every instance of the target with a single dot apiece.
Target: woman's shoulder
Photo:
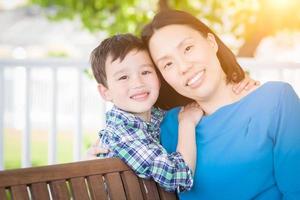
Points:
(171, 115)
(276, 89)
(277, 85)
(169, 130)
(272, 94)
(272, 89)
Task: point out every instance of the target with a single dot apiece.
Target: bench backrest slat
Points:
(2, 193)
(59, 189)
(19, 192)
(131, 185)
(115, 187)
(40, 191)
(97, 187)
(79, 188)
(95, 179)
(149, 190)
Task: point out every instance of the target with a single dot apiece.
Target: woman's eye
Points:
(146, 72)
(123, 78)
(168, 64)
(188, 48)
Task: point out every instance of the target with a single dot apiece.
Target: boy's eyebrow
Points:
(177, 46)
(147, 65)
(119, 72)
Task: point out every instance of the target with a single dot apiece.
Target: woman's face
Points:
(187, 61)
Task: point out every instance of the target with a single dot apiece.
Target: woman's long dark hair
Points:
(168, 96)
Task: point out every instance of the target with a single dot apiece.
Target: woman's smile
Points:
(196, 79)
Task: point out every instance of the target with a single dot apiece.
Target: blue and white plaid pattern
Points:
(136, 142)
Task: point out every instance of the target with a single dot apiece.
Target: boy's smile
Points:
(132, 84)
(141, 96)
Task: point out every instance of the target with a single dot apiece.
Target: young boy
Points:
(127, 77)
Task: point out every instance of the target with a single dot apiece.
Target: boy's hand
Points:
(191, 113)
(94, 150)
(188, 117)
(246, 84)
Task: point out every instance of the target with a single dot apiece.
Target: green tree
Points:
(248, 20)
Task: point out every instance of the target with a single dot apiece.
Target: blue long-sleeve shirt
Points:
(246, 150)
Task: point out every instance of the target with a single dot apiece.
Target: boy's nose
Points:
(137, 82)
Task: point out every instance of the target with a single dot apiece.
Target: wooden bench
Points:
(95, 179)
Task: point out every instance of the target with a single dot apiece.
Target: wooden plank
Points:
(149, 189)
(59, 190)
(39, 191)
(19, 192)
(166, 195)
(131, 185)
(79, 189)
(97, 187)
(31, 175)
(2, 193)
(115, 186)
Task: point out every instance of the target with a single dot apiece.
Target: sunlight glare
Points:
(279, 3)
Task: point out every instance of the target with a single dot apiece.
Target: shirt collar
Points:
(116, 116)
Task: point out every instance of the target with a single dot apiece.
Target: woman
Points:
(248, 145)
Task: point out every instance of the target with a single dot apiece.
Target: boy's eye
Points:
(146, 72)
(123, 77)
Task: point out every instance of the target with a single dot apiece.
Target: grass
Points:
(39, 147)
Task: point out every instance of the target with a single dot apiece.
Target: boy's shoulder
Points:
(115, 116)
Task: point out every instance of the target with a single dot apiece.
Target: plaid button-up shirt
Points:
(136, 142)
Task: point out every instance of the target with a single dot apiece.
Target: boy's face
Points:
(132, 84)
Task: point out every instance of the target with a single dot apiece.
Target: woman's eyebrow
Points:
(180, 44)
(162, 58)
(183, 42)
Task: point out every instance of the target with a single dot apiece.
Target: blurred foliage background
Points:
(248, 20)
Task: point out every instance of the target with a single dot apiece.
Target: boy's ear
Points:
(104, 92)
(212, 41)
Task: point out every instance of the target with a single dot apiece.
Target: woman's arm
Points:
(286, 136)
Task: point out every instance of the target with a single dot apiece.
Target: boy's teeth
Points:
(195, 78)
(140, 95)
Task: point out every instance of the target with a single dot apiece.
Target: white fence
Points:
(32, 92)
(26, 86)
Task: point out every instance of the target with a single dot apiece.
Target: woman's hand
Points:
(94, 150)
(246, 84)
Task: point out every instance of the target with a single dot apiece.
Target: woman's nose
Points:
(184, 66)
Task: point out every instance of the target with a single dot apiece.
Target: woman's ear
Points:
(104, 92)
(212, 41)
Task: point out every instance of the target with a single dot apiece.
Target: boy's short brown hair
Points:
(117, 46)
